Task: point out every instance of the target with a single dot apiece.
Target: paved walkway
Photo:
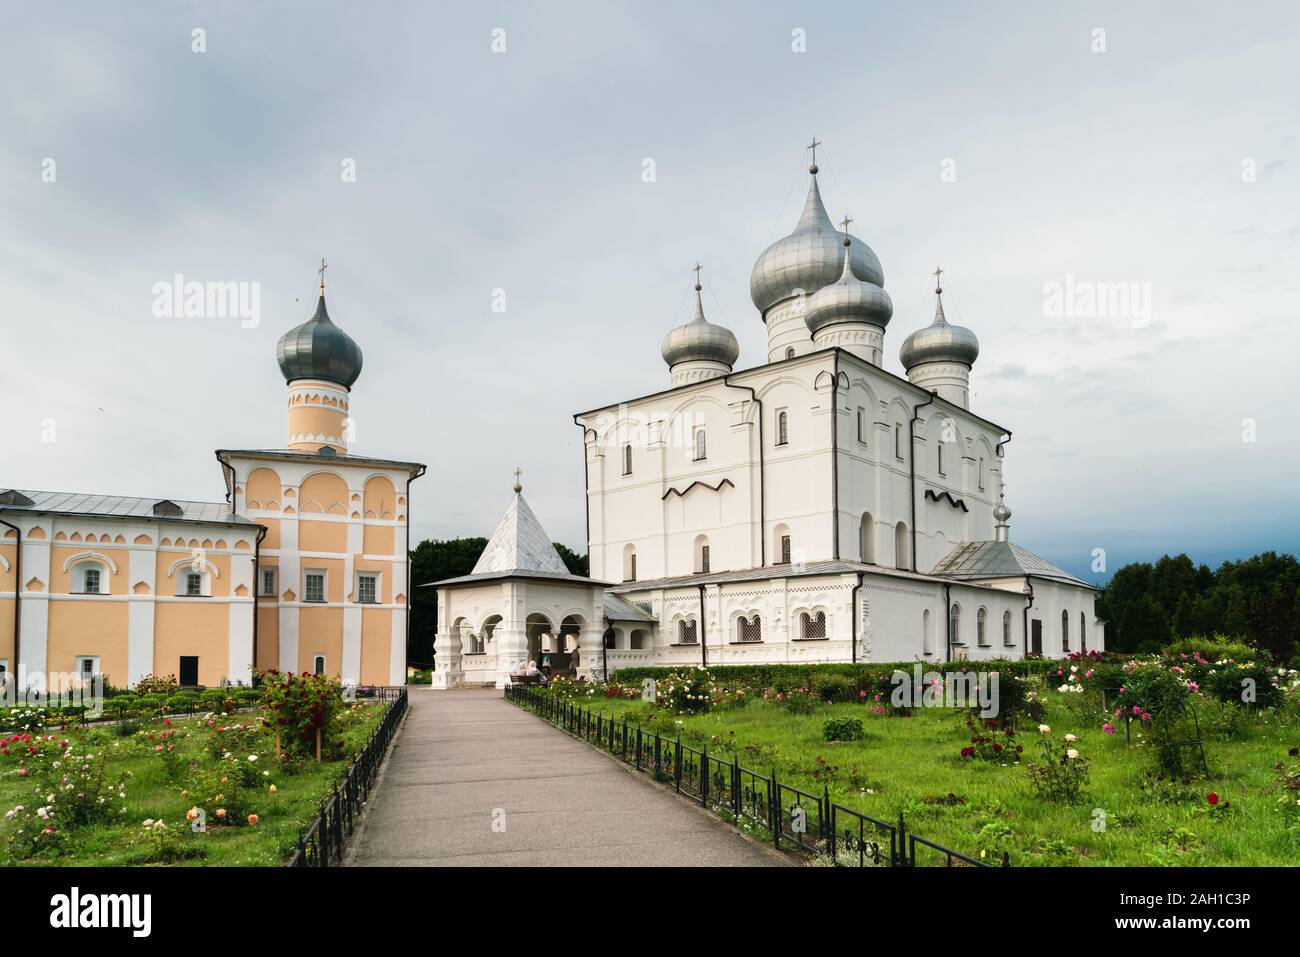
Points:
(466, 755)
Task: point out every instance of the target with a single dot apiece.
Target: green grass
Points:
(150, 795)
(912, 764)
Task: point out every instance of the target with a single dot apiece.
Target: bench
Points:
(527, 680)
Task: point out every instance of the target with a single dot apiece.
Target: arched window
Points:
(927, 633)
(1065, 631)
(954, 624)
(981, 633)
(1006, 629)
(89, 578)
(318, 665)
(812, 627)
(629, 563)
(686, 632)
(900, 545)
(701, 554)
(782, 428)
(867, 539)
(627, 459)
(749, 630)
(479, 641)
(1083, 633)
(701, 449)
(789, 352)
(636, 640)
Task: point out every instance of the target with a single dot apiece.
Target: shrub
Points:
(1063, 775)
(842, 729)
(799, 701)
(686, 691)
(1217, 648)
(305, 709)
(833, 687)
(157, 685)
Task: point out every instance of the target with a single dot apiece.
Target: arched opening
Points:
(981, 625)
(867, 539)
(782, 547)
(687, 632)
(480, 641)
(749, 629)
(1065, 631)
(701, 446)
(1007, 639)
(540, 635)
(90, 578)
(927, 633)
(782, 428)
(954, 624)
(1083, 633)
(638, 640)
(318, 664)
(701, 554)
(567, 650)
(900, 546)
(812, 627)
(629, 563)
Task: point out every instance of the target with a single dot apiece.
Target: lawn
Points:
(254, 804)
(914, 764)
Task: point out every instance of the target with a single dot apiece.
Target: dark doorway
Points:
(1036, 629)
(189, 674)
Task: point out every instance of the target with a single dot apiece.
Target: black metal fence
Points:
(321, 844)
(786, 815)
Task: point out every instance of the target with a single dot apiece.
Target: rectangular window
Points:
(898, 441)
(862, 425)
(367, 589)
(193, 584)
(785, 549)
(268, 583)
(91, 581)
(981, 474)
(704, 558)
(627, 459)
(87, 667)
(942, 471)
(315, 587)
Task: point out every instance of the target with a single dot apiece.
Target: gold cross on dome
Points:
(323, 266)
(845, 223)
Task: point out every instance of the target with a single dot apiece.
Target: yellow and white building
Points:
(303, 567)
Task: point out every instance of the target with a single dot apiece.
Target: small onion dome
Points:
(1001, 512)
(849, 300)
(318, 349)
(700, 340)
(809, 258)
(940, 341)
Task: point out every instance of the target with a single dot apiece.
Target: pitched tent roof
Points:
(519, 548)
(977, 560)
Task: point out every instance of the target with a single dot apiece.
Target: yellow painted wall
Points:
(376, 645)
(60, 582)
(263, 489)
(193, 628)
(320, 632)
(378, 539)
(268, 638)
(321, 536)
(89, 627)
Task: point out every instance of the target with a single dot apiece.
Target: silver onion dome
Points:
(809, 258)
(940, 341)
(850, 299)
(699, 340)
(318, 349)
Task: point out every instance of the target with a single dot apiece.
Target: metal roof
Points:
(828, 567)
(318, 349)
(290, 455)
(977, 560)
(618, 608)
(125, 506)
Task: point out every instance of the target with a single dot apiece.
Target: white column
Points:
(142, 567)
(401, 586)
(35, 626)
(290, 572)
(447, 671)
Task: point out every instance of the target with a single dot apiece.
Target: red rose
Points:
(1212, 797)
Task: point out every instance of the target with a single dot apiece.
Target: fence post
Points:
(638, 747)
(735, 789)
(774, 810)
(704, 777)
(677, 766)
(824, 812)
(902, 842)
(659, 762)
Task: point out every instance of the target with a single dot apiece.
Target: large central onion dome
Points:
(849, 300)
(699, 349)
(809, 258)
(318, 349)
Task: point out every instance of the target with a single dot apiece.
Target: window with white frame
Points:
(898, 441)
(701, 446)
(749, 629)
(954, 624)
(1065, 631)
(87, 668)
(981, 627)
(318, 664)
(782, 427)
(194, 584)
(313, 585)
(88, 578)
(367, 588)
(789, 352)
(812, 627)
(1007, 640)
(862, 425)
(686, 632)
(942, 470)
(981, 473)
(267, 583)
(627, 459)
(785, 550)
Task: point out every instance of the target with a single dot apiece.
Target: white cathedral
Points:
(815, 508)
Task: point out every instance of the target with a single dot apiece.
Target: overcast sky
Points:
(1013, 144)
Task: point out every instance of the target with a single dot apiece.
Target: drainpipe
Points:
(704, 634)
(605, 639)
(409, 480)
(257, 590)
(18, 590)
(835, 463)
(947, 618)
(586, 484)
(856, 589)
(762, 481)
(911, 464)
(1029, 603)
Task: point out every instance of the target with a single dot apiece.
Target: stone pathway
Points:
(464, 756)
